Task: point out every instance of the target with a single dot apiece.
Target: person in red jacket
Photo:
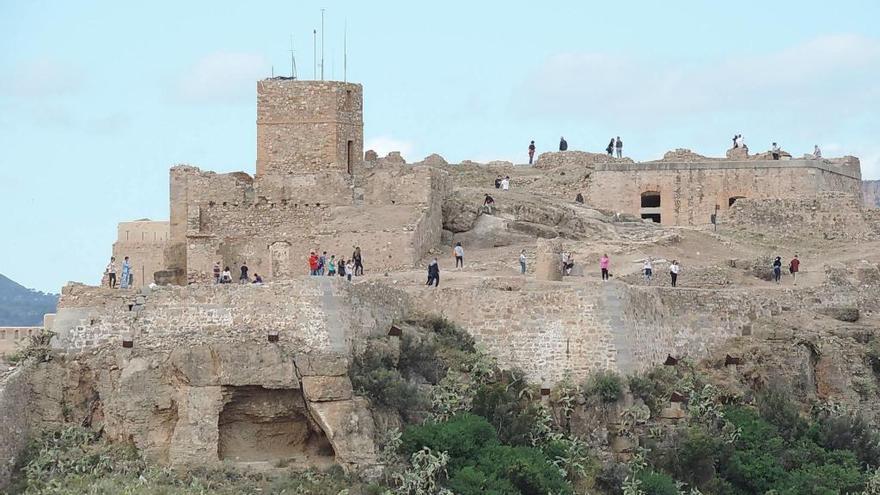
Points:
(793, 268)
(313, 263)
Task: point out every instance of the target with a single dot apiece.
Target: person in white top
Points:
(673, 271)
(226, 278)
(522, 261)
(817, 153)
(459, 255)
(111, 272)
(505, 184)
(648, 268)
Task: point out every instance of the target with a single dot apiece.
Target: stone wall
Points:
(12, 337)
(690, 191)
(308, 126)
(871, 193)
(144, 242)
(827, 215)
(14, 426)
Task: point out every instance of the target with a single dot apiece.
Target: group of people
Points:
(615, 145)
(321, 264)
(794, 266)
(775, 150)
(502, 183)
(224, 276)
(126, 278)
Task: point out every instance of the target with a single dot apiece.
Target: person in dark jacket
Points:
(610, 148)
(563, 144)
(433, 273)
(777, 269)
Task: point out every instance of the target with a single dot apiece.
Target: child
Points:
(349, 268)
(341, 266)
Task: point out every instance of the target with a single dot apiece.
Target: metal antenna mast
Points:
(315, 54)
(322, 44)
(292, 59)
(345, 52)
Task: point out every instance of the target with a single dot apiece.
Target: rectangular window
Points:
(349, 150)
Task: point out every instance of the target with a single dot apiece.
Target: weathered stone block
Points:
(326, 388)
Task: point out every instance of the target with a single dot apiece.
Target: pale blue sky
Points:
(99, 99)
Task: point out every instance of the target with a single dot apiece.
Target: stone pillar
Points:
(548, 260)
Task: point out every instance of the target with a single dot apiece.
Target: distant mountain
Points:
(23, 307)
(871, 193)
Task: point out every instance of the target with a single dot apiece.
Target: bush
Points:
(777, 406)
(850, 432)
(692, 455)
(373, 374)
(463, 436)
(654, 483)
(448, 333)
(606, 386)
(510, 470)
(508, 407)
(653, 387)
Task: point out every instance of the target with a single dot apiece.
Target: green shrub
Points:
(691, 455)
(498, 469)
(777, 406)
(507, 405)
(850, 432)
(448, 333)
(463, 436)
(872, 354)
(606, 386)
(653, 387)
(373, 373)
(654, 483)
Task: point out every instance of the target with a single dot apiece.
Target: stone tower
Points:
(309, 126)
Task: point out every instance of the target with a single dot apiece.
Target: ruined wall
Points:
(689, 192)
(871, 193)
(825, 214)
(11, 337)
(144, 242)
(308, 126)
(14, 427)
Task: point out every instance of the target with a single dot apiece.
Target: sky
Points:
(98, 99)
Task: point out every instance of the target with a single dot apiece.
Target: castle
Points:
(314, 189)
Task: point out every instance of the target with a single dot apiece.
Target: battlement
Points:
(309, 126)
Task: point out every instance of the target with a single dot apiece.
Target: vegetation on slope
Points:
(469, 427)
(23, 307)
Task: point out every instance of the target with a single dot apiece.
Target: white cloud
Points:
(43, 78)
(386, 144)
(222, 77)
(828, 74)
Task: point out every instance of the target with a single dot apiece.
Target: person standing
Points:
(648, 269)
(563, 144)
(497, 183)
(531, 152)
(358, 262)
(610, 148)
(489, 202)
(126, 274)
(433, 273)
(349, 269)
(243, 277)
(331, 266)
(774, 150)
(735, 144)
(522, 261)
(459, 255)
(111, 273)
(341, 266)
(777, 269)
(313, 263)
(322, 263)
(673, 271)
(604, 263)
(217, 271)
(226, 278)
(505, 183)
(618, 145)
(794, 267)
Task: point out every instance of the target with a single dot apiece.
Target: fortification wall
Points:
(11, 337)
(826, 214)
(15, 426)
(689, 192)
(144, 242)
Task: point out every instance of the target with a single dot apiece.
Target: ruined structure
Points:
(144, 242)
(312, 191)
